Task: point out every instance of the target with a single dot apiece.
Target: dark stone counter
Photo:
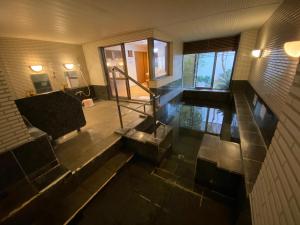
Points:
(56, 113)
(252, 142)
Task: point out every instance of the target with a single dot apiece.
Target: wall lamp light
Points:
(68, 66)
(36, 68)
(256, 53)
(292, 48)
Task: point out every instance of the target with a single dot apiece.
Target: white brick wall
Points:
(275, 198)
(13, 131)
(243, 58)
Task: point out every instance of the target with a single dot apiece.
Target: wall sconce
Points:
(36, 68)
(256, 53)
(69, 66)
(292, 48)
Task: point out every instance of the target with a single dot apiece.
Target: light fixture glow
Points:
(256, 53)
(155, 50)
(36, 68)
(292, 48)
(69, 66)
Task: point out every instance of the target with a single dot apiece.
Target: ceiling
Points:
(79, 21)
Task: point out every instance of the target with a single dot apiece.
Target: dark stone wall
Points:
(167, 88)
(24, 171)
(100, 91)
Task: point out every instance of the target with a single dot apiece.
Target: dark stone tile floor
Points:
(137, 196)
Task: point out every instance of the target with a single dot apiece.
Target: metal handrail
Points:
(134, 81)
(135, 102)
(153, 98)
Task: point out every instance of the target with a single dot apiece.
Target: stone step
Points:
(65, 209)
(147, 146)
(60, 204)
(219, 166)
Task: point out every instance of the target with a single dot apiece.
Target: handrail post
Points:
(152, 96)
(117, 97)
(154, 114)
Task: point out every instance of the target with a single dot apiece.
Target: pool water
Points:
(143, 193)
(190, 123)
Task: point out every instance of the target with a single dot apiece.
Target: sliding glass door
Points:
(210, 70)
(113, 56)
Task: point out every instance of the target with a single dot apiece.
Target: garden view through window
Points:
(210, 70)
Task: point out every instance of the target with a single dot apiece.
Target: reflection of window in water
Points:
(171, 111)
(186, 116)
(234, 129)
(41, 83)
(215, 120)
(201, 118)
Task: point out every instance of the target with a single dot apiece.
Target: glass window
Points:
(223, 69)
(160, 55)
(205, 66)
(210, 70)
(188, 70)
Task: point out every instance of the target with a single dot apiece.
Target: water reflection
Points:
(213, 120)
(208, 120)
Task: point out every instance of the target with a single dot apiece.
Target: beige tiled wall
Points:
(243, 58)
(18, 54)
(275, 198)
(13, 131)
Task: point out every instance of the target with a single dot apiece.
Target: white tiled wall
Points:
(275, 198)
(243, 58)
(13, 131)
(273, 73)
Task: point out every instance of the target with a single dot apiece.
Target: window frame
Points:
(152, 60)
(213, 71)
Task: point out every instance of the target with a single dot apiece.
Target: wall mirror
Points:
(41, 83)
(72, 79)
